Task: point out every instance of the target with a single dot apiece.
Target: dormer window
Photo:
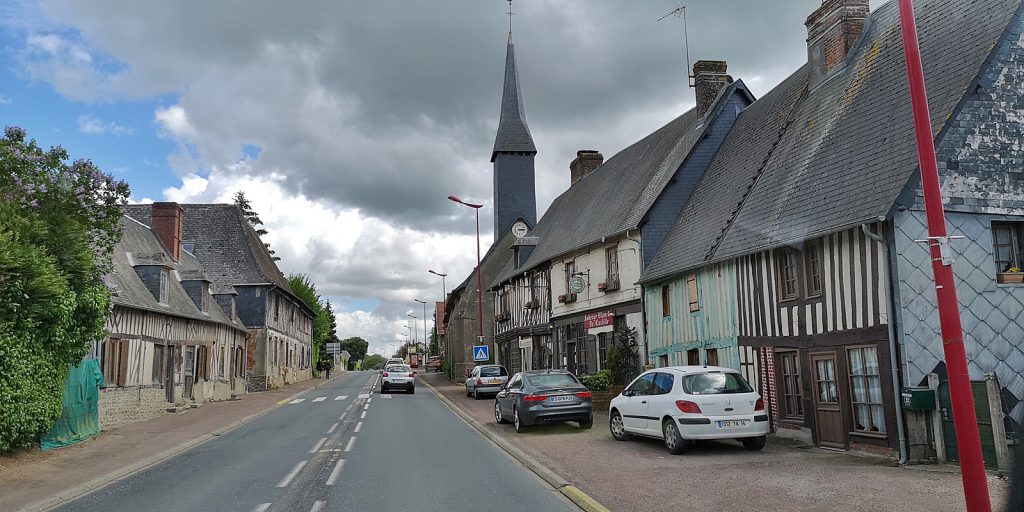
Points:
(189, 247)
(164, 275)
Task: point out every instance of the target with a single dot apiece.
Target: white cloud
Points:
(90, 124)
(174, 121)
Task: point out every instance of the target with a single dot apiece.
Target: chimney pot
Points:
(169, 225)
(709, 78)
(586, 161)
(832, 30)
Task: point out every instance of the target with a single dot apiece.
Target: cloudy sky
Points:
(348, 122)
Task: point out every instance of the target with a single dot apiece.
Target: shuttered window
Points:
(666, 306)
(115, 362)
(693, 292)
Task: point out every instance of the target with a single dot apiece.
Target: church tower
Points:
(515, 194)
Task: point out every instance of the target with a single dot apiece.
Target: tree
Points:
(433, 342)
(302, 286)
(59, 223)
(356, 347)
(623, 359)
(374, 362)
(254, 219)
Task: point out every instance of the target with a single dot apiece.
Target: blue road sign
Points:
(481, 353)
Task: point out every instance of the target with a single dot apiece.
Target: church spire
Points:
(513, 133)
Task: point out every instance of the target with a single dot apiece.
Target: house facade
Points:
(240, 268)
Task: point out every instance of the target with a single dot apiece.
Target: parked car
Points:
(434, 364)
(544, 396)
(682, 404)
(487, 378)
(398, 376)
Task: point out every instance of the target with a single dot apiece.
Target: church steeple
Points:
(514, 181)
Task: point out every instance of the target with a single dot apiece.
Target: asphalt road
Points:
(342, 447)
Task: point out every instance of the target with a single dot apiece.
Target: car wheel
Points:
(476, 394)
(674, 443)
(383, 389)
(497, 414)
(587, 424)
(754, 444)
(518, 423)
(617, 427)
(412, 390)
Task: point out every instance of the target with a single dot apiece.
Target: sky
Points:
(348, 123)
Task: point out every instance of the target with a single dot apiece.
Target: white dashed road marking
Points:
(366, 407)
(331, 430)
(297, 401)
(320, 399)
(363, 415)
(318, 506)
(386, 396)
(341, 397)
(262, 507)
(342, 417)
(351, 443)
(295, 471)
(336, 472)
(364, 395)
(318, 444)
(359, 426)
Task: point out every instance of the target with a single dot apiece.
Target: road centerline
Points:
(333, 477)
(318, 445)
(351, 443)
(331, 430)
(291, 474)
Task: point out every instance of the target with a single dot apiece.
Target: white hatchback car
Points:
(681, 404)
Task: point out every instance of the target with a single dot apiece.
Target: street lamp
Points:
(479, 280)
(426, 342)
(444, 303)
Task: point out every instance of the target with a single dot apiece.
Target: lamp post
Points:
(413, 330)
(426, 342)
(479, 280)
(444, 302)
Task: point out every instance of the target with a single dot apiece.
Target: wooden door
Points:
(829, 424)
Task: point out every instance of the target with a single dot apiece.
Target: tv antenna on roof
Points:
(680, 12)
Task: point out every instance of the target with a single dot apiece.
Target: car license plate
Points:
(493, 381)
(732, 424)
(561, 398)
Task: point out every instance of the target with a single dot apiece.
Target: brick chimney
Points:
(169, 224)
(586, 161)
(709, 78)
(832, 31)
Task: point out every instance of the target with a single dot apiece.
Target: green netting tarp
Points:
(80, 418)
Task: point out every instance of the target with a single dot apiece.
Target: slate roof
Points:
(129, 290)
(228, 247)
(513, 133)
(616, 196)
(849, 149)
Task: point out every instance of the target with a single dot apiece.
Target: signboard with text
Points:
(599, 319)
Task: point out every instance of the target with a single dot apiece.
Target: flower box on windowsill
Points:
(1010, 277)
(608, 286)
(567, 298)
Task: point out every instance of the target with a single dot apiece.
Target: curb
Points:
(96, 484)
(573, 493)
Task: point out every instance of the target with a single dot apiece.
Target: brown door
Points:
(829, 416)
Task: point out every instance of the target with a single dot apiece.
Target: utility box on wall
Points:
(919, 399)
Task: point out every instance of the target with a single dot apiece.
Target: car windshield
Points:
(493, 371)
(552, 380)
(715, 384)
(397, 369)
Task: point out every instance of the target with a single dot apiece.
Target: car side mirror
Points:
(627, 393)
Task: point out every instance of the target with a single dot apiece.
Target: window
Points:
(693, 357)
(642, 385)
(663, 360)
(115, 362)
(188, 247)
(663, 383)
(812, 268)
(826, 380)
(711, 356)
(220, 362)
(866, 388)
(163, 286)
(277, 308)
(612, 261)
(666, 306)
(158, 365)
(602, 350)
(203, 363)
(535, 287)
(789, 371)
(1006, 245)
(239, 362)
(787, 274)
(516, 382)
(716, 383)
(691, 290)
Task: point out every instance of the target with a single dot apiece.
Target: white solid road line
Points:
(320, 399)
(351, 443)
(366, 407)
(341, 397)
(318, 444)
(336, 472)
(318, 506)
(342, 417)
(331, 430)
(363, 415)
(349, 406)
(295, 471)
(297, 401)
(359, 426)
(262, 507)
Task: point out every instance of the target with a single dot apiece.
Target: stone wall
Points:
(119, 406)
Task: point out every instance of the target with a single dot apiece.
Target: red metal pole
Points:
(972, 464)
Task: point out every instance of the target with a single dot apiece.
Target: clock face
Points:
(520, 229)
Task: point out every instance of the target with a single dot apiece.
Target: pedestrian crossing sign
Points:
(480, 353)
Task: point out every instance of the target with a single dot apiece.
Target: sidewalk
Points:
(31, 476)
(641, 475)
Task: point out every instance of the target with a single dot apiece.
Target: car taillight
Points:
(688, 406)
(411, 374)
(479, 381)
(584, 394)
(534, 398)
(385, 374)
(759, 406)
